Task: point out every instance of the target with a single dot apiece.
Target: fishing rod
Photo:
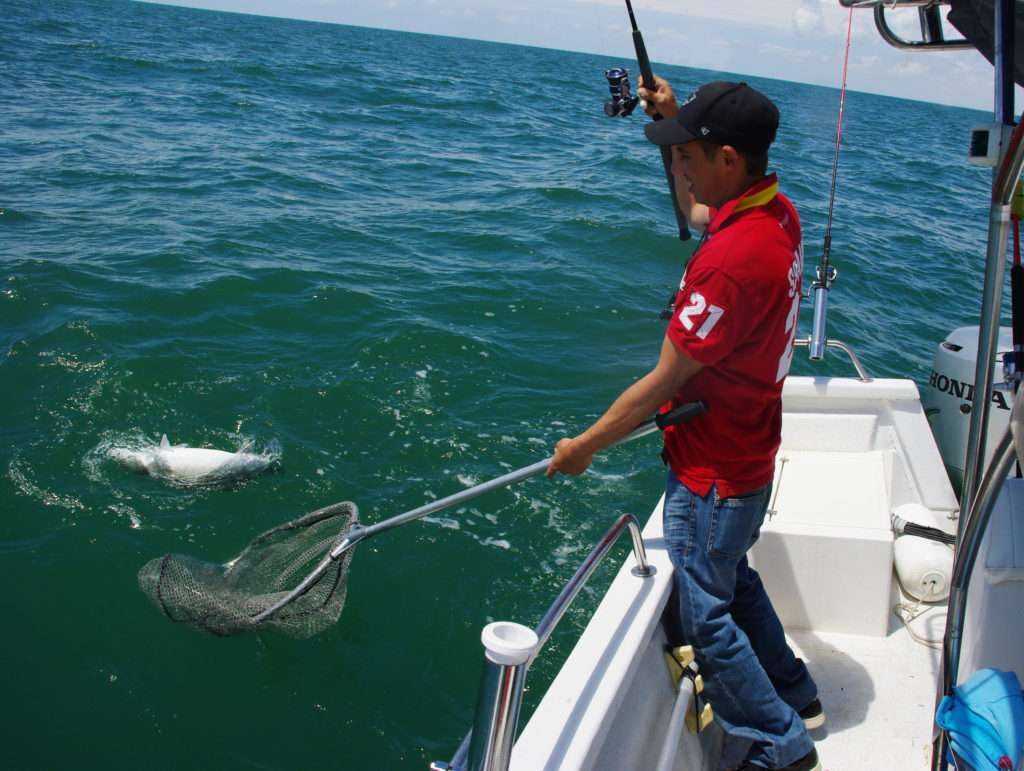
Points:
(826, 273)
(623, 103)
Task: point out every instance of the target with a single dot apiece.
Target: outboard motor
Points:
(949, 398)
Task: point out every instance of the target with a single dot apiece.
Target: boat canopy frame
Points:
(933, 37)
(974, 19)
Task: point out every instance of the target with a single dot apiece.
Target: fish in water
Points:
(191, 466)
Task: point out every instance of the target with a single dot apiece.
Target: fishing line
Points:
(826, 274)
(835, 160)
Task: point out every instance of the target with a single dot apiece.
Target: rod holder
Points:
(818, 340)
(824, 276)
(508, 648)
(464, 759)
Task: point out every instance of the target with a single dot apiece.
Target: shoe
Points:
(808, 762)
(813, 715)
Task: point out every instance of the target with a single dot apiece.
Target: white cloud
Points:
(774, 51)
(806, 20)
(911, 67)
(809, 16)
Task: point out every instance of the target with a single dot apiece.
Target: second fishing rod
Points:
(623, 102)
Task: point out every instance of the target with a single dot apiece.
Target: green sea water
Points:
(410, 262)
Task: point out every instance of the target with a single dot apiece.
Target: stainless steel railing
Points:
(992, 293)
(932, 34)
(586, 569)
(862, 375)
(488, 747)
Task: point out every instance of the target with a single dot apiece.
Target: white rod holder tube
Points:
(508, 647)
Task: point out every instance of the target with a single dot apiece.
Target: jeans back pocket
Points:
(736, 522)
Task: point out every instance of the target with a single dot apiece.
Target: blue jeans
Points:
(754, 682)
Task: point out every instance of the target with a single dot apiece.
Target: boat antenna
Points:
(644, 63)
(826, 272)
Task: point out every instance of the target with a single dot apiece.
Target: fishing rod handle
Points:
(644, 63)
(642, 59)
(680, 414)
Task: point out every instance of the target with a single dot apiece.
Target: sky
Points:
(798, 40)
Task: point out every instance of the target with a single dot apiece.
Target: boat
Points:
(886, 615)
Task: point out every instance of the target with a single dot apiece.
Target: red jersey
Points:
(736, 313)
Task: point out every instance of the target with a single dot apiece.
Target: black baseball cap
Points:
(724, 113)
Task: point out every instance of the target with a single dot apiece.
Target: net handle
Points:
(359, 532)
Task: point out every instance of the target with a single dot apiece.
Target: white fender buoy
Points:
(924, 566)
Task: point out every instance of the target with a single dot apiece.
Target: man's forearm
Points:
(634, 405)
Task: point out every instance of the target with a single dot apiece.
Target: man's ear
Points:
(730, 155)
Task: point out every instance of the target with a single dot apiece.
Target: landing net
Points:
(226, 598)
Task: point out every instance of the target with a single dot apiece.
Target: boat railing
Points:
(862, 375)
(932, 35)
(511, 648)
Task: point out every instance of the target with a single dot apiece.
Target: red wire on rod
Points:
(846, 62)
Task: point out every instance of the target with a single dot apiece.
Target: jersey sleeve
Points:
(709, 319)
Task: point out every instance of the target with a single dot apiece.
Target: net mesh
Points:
(225, 598)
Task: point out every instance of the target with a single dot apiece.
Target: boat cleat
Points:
(678, 659)
(701, 716)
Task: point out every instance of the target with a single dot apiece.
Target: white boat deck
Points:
(853, 452)
(878, 695)
(878, 692)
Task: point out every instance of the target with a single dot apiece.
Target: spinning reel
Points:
(622, 102)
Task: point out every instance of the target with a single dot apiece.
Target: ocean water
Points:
(410, 263)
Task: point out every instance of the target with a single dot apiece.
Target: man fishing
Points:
(729, 344)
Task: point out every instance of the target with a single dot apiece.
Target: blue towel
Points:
(984, 719)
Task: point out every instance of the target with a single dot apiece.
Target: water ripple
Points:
(413, 264)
